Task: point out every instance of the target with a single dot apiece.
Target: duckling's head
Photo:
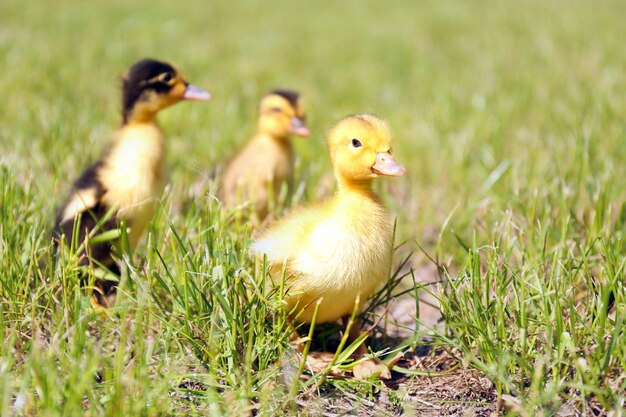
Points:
(281, 114)
(360, 149)
(150, 86)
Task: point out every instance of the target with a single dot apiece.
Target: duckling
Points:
(340, 249)
(257, 173)
(127, 181)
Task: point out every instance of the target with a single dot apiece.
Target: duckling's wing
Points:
(85, 195)
(285, 239)
(84, 207)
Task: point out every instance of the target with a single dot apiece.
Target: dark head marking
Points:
(289, 95)
(147, 74)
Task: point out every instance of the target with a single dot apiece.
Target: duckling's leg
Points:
(105, 291)
(366, 367)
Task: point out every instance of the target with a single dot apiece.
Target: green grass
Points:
(510, 118)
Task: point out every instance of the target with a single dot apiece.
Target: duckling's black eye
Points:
(356, 143)
(276, 110)
(166, 77)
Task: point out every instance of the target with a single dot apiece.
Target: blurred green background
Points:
(487, 100)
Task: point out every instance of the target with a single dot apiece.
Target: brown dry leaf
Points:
(370, 367)
(318, 361)
(397, 358)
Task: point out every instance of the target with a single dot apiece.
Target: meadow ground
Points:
(510, 119)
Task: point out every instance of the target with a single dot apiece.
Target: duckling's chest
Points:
(134, 175)
(271, 159)
(348, 253)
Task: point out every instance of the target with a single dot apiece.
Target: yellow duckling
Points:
(257, 173)
(341, 248)
(129, 178)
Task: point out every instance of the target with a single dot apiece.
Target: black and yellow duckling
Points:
(129, 178)
(257, 173)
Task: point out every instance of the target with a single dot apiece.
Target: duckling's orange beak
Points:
(298, 127)
(386, 165)
(193, 92)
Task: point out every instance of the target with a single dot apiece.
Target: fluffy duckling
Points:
(257, 173)
(343, 247)
(129, 178)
